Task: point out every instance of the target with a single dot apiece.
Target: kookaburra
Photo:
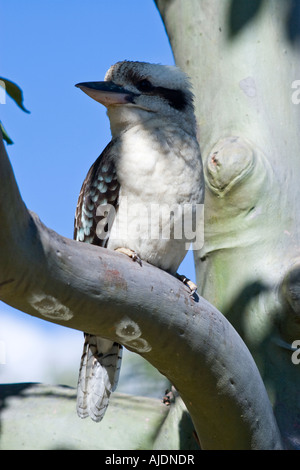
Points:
(153, 159)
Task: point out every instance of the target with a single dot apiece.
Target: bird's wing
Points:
(101, 358)
(98, 200)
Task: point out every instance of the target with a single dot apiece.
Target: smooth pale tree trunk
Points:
(242, 67)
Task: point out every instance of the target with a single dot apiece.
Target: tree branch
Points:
(149, 311)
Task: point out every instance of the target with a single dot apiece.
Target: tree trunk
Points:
(243, 61)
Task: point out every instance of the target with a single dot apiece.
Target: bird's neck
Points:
(124, 118)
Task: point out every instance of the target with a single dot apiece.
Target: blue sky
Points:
(47, 47)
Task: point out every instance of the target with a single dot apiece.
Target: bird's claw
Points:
(168, 398)
(191, 285)
(132, 254)
(137, 258)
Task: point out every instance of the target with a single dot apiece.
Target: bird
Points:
(152, 160)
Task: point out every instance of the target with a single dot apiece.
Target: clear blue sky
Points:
(46, 48)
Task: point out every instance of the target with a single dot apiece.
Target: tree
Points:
(190, 342)
(243, 58)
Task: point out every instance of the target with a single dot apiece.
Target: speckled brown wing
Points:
(98, 200)
(95, 211)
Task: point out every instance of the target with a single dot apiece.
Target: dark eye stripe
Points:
(175, 98)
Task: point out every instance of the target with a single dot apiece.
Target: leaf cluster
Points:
(15, 92)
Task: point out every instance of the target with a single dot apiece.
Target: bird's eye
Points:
(144, 85)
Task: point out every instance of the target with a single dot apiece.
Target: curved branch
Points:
(149, 311)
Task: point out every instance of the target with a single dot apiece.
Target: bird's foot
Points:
(168, 398)
(192, 286)
(132, 254)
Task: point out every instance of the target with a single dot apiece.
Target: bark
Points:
(242, 63)
(152, 313)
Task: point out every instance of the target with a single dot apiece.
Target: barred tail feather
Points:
(98, 376)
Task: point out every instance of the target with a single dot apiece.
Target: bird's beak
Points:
(107, 93)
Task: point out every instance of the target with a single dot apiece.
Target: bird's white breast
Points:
(157, 166)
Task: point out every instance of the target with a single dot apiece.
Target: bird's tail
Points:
(98, 376)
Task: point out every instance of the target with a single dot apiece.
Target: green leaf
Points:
(14, 92)
(5, 135)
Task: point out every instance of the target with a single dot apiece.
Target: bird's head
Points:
(134, 92)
